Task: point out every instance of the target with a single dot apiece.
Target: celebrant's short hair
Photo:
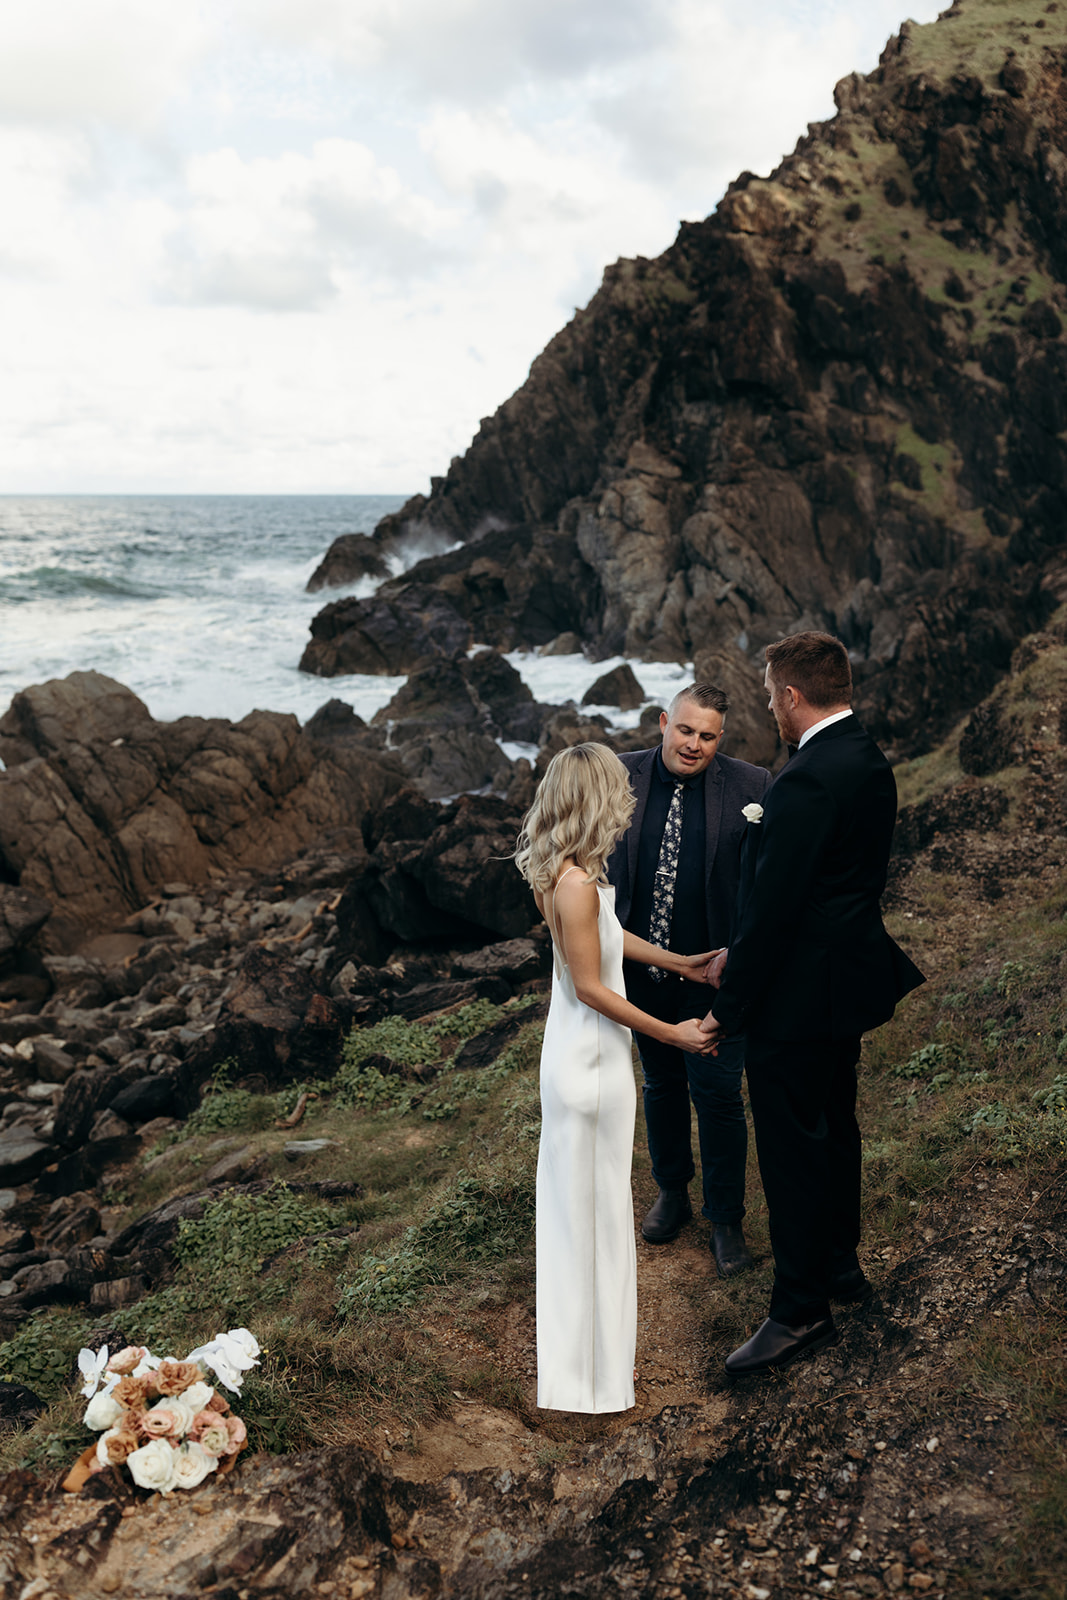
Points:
(708, 696)
(582, 808)
(815, 663)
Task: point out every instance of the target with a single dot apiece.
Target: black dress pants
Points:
(803, 1099)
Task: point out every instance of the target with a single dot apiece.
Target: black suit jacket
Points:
(728, 785)
(811, 958)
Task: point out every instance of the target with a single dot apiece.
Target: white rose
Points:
(197, 1396)
(152, 1466)
(102, 1411)
(752, 812)
(192, 1463)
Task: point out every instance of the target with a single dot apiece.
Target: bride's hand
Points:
(694, 968)
(690, 1036)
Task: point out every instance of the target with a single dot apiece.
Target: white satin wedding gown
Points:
(586, 1252)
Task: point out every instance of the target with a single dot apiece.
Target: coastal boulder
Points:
(101, 805)
(351, 556)
(21, 915)
(384, 635)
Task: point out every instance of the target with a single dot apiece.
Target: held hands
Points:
(691, 1036)
(697, 969)
(714, 969)
(712, 1032)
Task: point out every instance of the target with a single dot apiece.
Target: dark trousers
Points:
(714, 1082)
(803, 1098)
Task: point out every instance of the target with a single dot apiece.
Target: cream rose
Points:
(198, 1396)
(152, 1466)
(192, 1463)
(103, 1411)
(210, 1430)
(752, 812)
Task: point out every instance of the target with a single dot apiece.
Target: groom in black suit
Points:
(810, 970)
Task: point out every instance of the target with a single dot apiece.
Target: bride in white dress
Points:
(586, 1254)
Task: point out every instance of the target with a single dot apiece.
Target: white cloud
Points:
(274, 233)
(118, 61)
(288, 245)
(458, 49)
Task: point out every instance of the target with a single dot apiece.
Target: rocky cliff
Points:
(838, 402)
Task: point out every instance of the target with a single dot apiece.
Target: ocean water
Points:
(197, 602)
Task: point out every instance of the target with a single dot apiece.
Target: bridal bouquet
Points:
(162, 1418)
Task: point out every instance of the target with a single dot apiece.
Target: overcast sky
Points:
(301, 246)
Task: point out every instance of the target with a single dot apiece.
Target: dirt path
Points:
(674, 1283)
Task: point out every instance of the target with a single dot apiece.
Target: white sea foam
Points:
(557, 679)
(198, 604)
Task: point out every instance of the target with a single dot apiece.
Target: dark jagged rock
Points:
(988, 744)
(427, 998)
(458, 884)
(518, 960)
(619, 687)
(101, 805)
(145, 1098)
(484, 1049)
(351, 556)
(838, 402)
(19, 1406)
(273, 1022)
(965, 806)
(21, 915)
(389, 634)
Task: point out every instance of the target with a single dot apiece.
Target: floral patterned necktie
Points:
(659, 924)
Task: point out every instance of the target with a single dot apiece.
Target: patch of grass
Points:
(1018, 1364)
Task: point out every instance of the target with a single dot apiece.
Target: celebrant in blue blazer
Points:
(675, 873)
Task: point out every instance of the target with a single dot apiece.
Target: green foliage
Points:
(43, 1352)
(1016, 978)
(238, 1231)
(922, 1063)
(408, 1045)
(1017, 1129)
(480, 1217)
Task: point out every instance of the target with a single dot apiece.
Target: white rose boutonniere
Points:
(752, 813)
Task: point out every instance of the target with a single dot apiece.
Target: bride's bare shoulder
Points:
(573, 888)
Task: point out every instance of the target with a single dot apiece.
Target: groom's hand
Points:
(714, 1033)
(714, 970)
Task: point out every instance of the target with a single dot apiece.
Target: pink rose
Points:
(238, 1434)
(162, 1422)
(127, 1359)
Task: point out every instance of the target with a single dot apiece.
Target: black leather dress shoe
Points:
(775, 1345)
(667, 1217)
(729, 1249)
(845, 1287)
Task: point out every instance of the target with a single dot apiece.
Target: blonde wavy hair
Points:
(582, 808)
